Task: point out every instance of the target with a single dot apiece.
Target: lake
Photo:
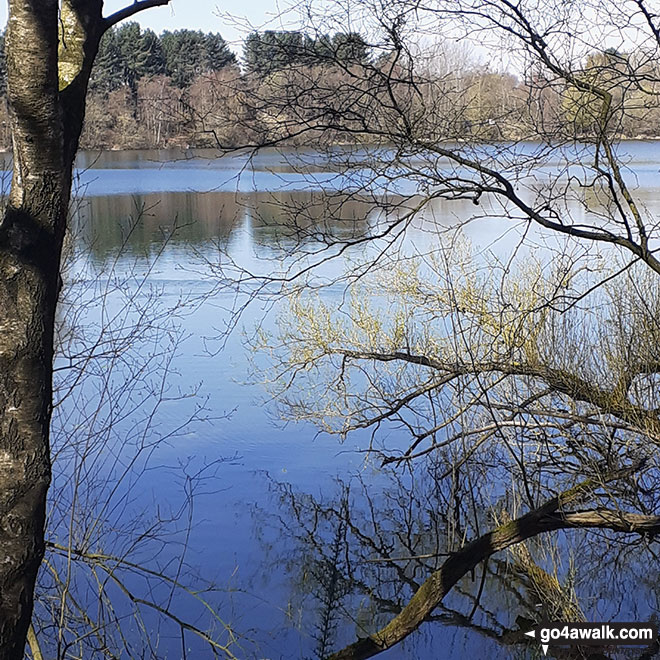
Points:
(165, 434)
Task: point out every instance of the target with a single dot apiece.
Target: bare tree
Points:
(115, 579)
(538, 375)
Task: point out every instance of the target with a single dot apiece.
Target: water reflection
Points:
(357, 554)
(319, 563)
(139, 224)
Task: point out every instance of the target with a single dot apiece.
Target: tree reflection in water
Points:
(357, 556)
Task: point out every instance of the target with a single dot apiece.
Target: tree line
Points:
(150, 90)
(186, 88)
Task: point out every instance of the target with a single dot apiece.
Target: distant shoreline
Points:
(8, 152)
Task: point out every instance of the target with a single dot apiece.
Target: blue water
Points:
(148, 229)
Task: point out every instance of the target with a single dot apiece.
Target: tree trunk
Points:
(50, 48)
(549, 517)
(31, 235)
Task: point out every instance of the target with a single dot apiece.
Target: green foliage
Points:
(270, 51)
(129, 54)
(350, 48)
(107, 74)
(217, 54)
(141, 55)
(189, 53)
(150, 59)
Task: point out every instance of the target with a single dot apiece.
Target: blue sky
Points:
(232, 18)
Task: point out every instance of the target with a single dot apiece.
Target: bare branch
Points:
(548, 517)
(131, 10)
(560, 380)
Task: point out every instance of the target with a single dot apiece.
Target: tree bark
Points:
(31, 235)
(50, 49)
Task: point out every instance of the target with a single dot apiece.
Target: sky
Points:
(233, 19)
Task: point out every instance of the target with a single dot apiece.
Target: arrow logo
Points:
(544, 647)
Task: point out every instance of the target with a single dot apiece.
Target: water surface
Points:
(148, 227)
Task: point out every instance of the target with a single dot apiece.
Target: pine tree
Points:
(272, 51)
(107, 74)
(216, 52)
